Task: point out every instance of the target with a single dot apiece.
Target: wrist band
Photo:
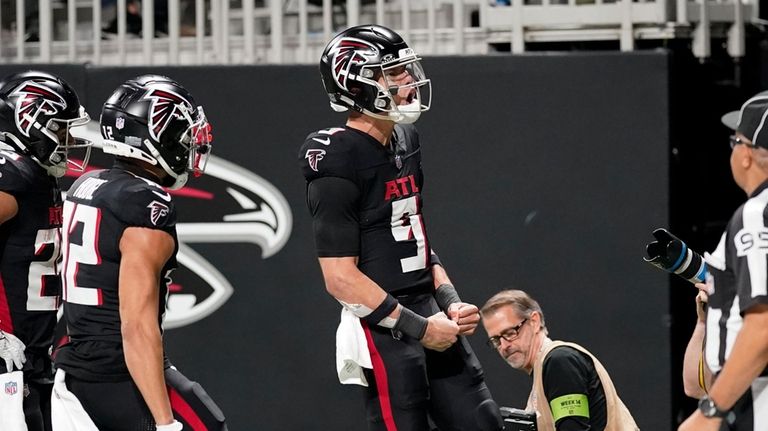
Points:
(384, 309)
(411, 324)
(446, 295)
(434, 259)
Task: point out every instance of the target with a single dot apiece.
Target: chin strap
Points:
(56, 170)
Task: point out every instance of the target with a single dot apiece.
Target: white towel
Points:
(12, 402)
(352, 353)
(67, 414)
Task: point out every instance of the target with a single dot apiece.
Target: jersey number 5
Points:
(85, 219)
(406, 226)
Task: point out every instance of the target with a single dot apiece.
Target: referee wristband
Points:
(411, 324)
(445, 295)
(381, 312)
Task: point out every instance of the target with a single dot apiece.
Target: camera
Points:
(671, 254)
(518, 420)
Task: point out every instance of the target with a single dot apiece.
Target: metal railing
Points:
(295, 31)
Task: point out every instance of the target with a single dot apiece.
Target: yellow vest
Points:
(618, 417)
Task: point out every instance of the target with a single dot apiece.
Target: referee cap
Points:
(750, 120)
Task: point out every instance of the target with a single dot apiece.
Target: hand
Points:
(12, 351)
(441, 332)
(697, 422)
(173, 426)
(467, 316)
(701, 301)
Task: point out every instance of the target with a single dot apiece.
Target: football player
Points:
(364, 192)
(119, 247)
(37, 111)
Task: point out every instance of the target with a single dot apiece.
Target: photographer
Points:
(571, 389)
(736, 346)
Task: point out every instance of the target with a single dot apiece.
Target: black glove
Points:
(671, 254)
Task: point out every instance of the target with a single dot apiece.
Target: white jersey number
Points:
(407, 225)
(86, 252)
(40, 271)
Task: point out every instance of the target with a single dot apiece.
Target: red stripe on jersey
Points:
(382, 384)
(6, 324)
(185, 411)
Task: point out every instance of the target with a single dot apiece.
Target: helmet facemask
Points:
(59, 131)
(403, 90)
(190, 149)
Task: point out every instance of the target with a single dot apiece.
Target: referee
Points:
(736, 347)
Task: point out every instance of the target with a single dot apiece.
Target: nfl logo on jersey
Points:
(11, 388)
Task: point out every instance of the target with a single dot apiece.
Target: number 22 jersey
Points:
(29, 250)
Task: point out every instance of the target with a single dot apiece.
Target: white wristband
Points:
(174, 426)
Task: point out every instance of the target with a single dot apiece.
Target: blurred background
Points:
(561, 134)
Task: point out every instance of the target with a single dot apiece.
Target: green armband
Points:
(569, 405)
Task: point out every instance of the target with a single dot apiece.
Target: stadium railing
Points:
(295, 31)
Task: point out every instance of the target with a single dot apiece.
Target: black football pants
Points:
(410, 385)
(119, 406)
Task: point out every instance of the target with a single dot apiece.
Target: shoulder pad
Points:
(16, 176)
(328, 153)
(148, 205)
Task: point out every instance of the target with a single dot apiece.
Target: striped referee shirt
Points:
(737, 276)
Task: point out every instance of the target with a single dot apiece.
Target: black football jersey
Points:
(99, 206)
(29, 250)
(386, 183)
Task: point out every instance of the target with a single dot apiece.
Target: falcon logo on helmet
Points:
(349, 52)
(314, 156)
(33, 100)
(165, 106)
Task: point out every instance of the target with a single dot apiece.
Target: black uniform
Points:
(366, 201)
(29, 279)
(568, 374)
(100, 205)
(738, 270)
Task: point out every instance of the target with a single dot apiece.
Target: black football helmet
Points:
(37, 111)
(154, 119)
(370, 69)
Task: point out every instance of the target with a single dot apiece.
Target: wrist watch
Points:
(709, 409)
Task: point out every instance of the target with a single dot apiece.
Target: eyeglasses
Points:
(509, 335)
(735, 140)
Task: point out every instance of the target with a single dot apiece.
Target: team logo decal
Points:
(33, 100)
(157, 211)
(348, 52)
(11, 388)
(314, 156)
(165, 106)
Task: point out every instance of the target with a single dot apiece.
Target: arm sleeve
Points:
(333, 203)
(566, 385)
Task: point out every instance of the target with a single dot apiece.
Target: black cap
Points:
(750, 120)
